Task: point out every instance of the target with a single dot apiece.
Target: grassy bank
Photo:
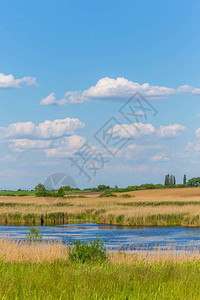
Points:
(43, 271)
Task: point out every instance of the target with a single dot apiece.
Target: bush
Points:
(34, 235)
(107, 194)
(127, 195)
(83, 252)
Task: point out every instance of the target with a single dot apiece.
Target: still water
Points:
(114, 237)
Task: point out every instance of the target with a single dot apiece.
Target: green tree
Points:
(103, 187)
(184, 179)
(40, 190)
(167, 180)
(174, 180)
(61, 192)
(194, 182)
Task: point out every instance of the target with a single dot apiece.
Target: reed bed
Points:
(168, 207)
(20, 251)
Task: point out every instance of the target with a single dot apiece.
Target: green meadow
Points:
(64, 280)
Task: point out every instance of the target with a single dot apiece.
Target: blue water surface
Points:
(114, 237)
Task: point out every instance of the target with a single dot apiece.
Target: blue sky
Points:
(67, 67)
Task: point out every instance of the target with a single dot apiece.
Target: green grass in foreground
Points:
(64, 280)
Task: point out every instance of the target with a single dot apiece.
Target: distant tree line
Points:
(41, 191)
(169, 182)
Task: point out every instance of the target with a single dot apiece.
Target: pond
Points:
(115, 237)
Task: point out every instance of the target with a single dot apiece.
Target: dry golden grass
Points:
(156, 257)
(112, 207)
(15, 251)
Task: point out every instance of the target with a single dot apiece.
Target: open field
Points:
(43, 271)
(161, 207)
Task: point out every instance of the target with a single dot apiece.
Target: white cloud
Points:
(170, 130)
(22, 145)
(45, 130)
(139, 130)
(8, 81)
(65, 147)
(122, 87)
(135, 130)
(58, 128)
(188, 89)
(111, 89)
(51, 100)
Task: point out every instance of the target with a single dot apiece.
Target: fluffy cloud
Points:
(170, 130)
(51, 100)
(45, 130)
(139, 130)
(111, 89)
(188, 89)
(135, 130)
(65, 147)
(8, 81)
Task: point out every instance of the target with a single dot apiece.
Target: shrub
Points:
(83, 252)
(127, 195)
(34, 235)
(107, 194)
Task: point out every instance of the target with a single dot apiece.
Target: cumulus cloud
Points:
(51, 100)
(65, 147)
(139, 130)
(188, 89)
(170, 130)
(8, 81)
(59, 148)
(111, 89)
(135, 130)
(45, 130)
